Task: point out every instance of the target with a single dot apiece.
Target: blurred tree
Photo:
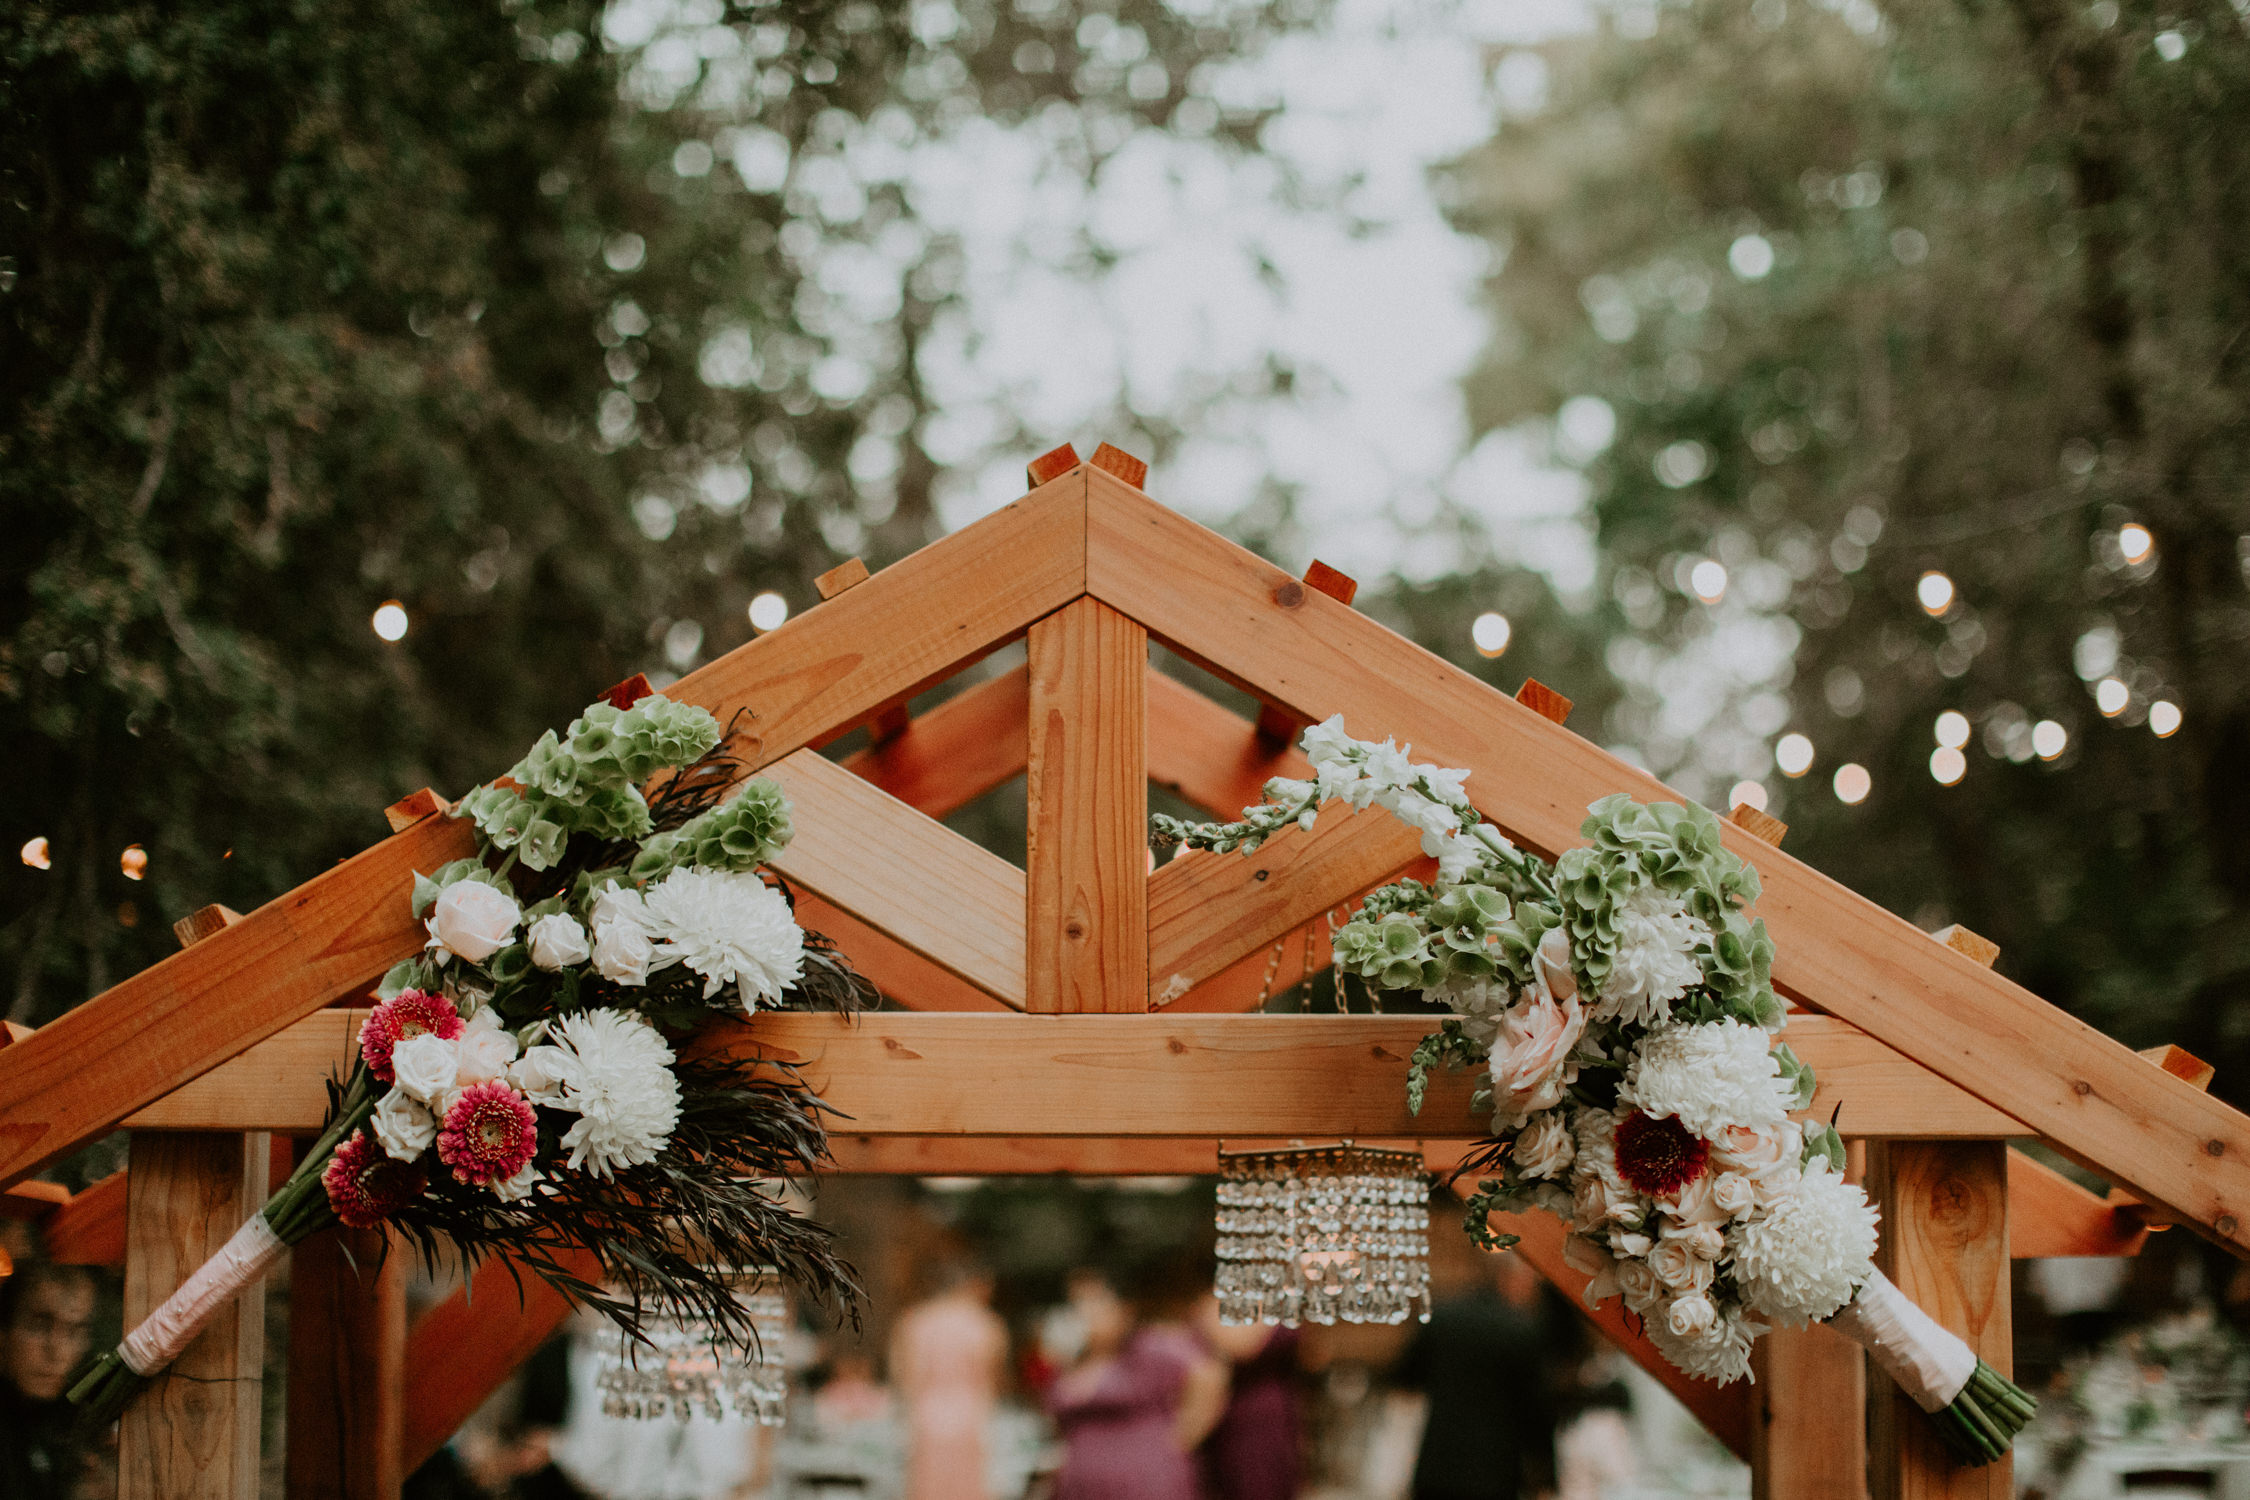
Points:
(566, 327)
(1837, 299)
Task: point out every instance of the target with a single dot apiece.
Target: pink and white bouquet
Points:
(1621, 1003)
(521, 1086)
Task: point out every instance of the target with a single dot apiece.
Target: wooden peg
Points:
(1278, 724)
(1048, 465)
(847, 574)
(1543, 700)
(1758, 822)
(1976, 949)
(2182, 1064)
(13, 1031)
(1117, 461)
(413, 808)
(206, 920)
(629, 692)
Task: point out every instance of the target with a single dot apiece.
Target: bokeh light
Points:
(134, 862)
(2163, 718)
(1750, 792)
(389, 620)
(1853, 783)
(35, 854)
(1952, 729)
(1793, 755)
(2049, 739)
(1709, 580)
(2134, 541)
(2111, 696)
(1935, 590)
(768, 610)
(1948, 764)
(1490, 632)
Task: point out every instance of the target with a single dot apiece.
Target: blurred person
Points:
(947, 1357)
(645, 1458)
(1136, 1406)
(1255, 1452)
(46, 1328)
(1490, 1362)
(851, 1394)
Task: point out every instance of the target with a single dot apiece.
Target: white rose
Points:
(1582, 1254)
(1679, 1267)
(543, 1074)
(483, 1050)
(1707, 1241)
(1546, 1146)
(618, 903)
(1760, 1152)
(557, 942)
(622, 952)
(473, 919)
(1631, 1242)
(1732, 1194)
(404, 1127)
(1692, 1203)
(1637, 1280)
(424, 1067)
(517, 1188)
(1691, 1316)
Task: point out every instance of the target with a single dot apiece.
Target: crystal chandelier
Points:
(1321, 1233)
(689, 1368)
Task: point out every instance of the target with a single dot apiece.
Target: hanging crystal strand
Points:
(1273, 962)
(687, 1368)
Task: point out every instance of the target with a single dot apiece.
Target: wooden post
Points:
(1087, 893)
(347, 1367)
(1945, 1242)
(1808, 1435)
(194, 1434)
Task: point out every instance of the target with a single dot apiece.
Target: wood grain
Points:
(914, 880)
(1086, 850)
(850, 573)
(1945, 1242)
(461, 1349)
(904, 976)
(1807, 1442)
(1543, 700)
(900, 1073)
(193, 1435)
(203, 922)
(1225, 608)
(347, 1367)
(1077, 1156)
(965, 747)
(1117, 461)
(402, 815)
(89, 1230)
(1208, 754)
(2049, 1215)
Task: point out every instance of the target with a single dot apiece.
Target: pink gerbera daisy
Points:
(365, 1186)
(410, 1013)
(489, 1136)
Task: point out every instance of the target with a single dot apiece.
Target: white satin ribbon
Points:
(1929, 1361)
(166, 1331)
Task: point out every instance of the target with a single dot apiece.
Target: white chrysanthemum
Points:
(1479, 1003)
(1719, 1351)
(619, 1080)
(1710, 1076)
(1653, 963)
(727, 925)
(1807, 1257)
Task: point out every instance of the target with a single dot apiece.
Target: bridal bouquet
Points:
(520, 1087)
(1621, 1001)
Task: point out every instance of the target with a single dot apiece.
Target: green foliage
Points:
(2001, 320)
(742, 833)
(1447, 1046)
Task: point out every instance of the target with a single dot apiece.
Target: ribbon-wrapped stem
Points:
(1977, 1410)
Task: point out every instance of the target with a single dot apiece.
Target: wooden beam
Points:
(89, 1230)
(1117, 461)
(461, 1349)
(193, 1435)
(1945, 1242)
(1808, 1387)
(1724, 1410)
(1077, 1156)
(347, 1367)
(2182, 1064)
(1233, 613)
(32, 1201)
(1087, 884)
(911, 878)
(2048, 1215)
(1214, 758)
(960, 750)
(1758, 823)
(904, 976)
(1050, 466)
(1277, 724)
(899, 1073)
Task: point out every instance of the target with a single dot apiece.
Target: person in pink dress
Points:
(1134, 1408)
(947, 1357)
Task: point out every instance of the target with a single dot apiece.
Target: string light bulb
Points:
(1935, 591)
(2049, 739)
(1709, 580)
(1952, 729)
(1948, 765)
(2163, 721)
(35, 854)
(1793, 755)
(2111, 696)
(2135, 541)
(1853, 783)
(389, 620)
(1748, 793)
(134, 862)
(1490, 633)
(768, 610)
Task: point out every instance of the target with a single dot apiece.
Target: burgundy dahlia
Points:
(1659, 1157)
(410, 1013)
(365, 1186)
(489, 1136)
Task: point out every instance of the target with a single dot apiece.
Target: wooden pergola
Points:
(1085, 1014)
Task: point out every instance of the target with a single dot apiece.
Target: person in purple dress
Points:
(1256, 1450)
(1136, 1405)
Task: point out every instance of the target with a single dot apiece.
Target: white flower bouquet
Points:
(518, 1087)
(1621, 1002)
